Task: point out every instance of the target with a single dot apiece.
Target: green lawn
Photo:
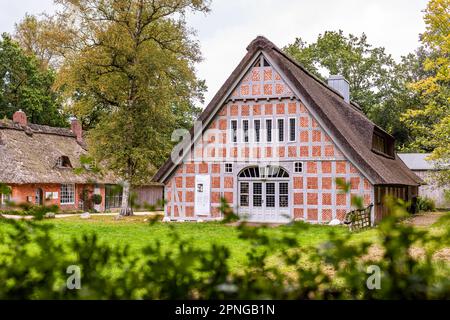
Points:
(137, 233)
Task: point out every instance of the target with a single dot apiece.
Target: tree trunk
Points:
(126, 210)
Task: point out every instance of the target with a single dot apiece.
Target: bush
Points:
(29, 209)
(425, 204)
(337, 269)
(97, 199)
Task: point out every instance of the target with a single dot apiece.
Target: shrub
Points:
(425, 204)
(334, 270)
(97, 199)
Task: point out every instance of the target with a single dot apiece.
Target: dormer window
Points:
(63, 162)
(382, 144)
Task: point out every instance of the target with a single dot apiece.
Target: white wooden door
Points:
(202, 194)
(264, 201)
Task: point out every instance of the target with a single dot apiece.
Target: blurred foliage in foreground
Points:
(34, 266)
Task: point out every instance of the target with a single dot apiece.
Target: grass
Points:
(137, 233)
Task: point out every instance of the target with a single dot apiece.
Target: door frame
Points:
(263, 214)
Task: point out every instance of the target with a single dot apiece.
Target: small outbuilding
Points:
(428, 171)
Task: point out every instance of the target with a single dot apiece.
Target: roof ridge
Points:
(36, 128)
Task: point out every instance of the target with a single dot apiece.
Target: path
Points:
(424, 219)
(69, 215)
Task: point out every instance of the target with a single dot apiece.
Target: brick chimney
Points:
(75, 126)
(20, 117)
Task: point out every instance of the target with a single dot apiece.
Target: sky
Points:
(226, 31)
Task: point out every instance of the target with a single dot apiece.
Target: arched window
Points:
(63, 162)
(264, 172)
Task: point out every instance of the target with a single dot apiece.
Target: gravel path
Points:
(424, 219)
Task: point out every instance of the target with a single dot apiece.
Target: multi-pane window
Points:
(298, 167)
(4, 199)
(234, 130)
(257, 127)
(280, 130)
(269, 130)
(228, 167)
(270, 195)
(245, 129)
(292, 129)
(284, 195)
(379, 143)
(257, 194)
(67, 194)
(113, 196)
(244, 192)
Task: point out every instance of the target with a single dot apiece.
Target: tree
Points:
(399, 98)
(134, 69)
(432, 120)
(24, 85)
(367, 68)
(46, 38)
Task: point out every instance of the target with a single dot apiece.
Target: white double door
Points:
(264, 201)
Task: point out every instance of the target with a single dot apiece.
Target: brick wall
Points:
(263, 95)
(20, 194)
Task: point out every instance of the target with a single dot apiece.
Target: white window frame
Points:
(4, 198)
(254, 130)
(243, 131)
(267, 129)
(225, 167)
(295, 169)
(231, 130)
(62, 198)
(278, 130)
(295, 129)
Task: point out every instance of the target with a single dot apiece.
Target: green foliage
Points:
(24, 85)
(377, 83)
(29, 209)
(97, 199)
(277, 267)
(367, 68)
(431, 120)
(425, 204)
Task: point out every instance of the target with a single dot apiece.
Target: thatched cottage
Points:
(37, 162)
(273, 141)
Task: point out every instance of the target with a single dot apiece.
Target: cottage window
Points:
(382, 144)
(245, 129)
(4, 199)
(292, 129)
(280, 130)
(269, 130)
(113, 196)
(264, 172)
(63, 162)
(284, 194)
(244, 194)
(257, 127)
(228, 168)
(67, 194)
(234, 130)
(298, 167)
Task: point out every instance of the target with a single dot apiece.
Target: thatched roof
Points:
(350, 127)
(29, 154)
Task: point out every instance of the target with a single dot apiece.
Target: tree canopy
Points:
(24, 85)
(377, 83)
(431, 121)
(132, 74)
